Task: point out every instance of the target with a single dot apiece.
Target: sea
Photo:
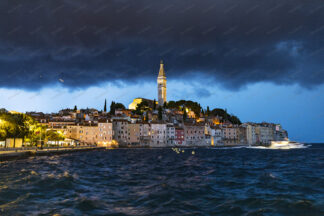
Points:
(204, 181)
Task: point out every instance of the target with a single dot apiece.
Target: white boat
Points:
(286, 144)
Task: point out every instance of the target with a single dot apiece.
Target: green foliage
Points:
(208, 111)
(3, 110)
(194, 106)
(19, 126)
(37, 132)
(112, 108)
(14, 125)
(53, 135)
(165, 105)
(141, 108)
(120, 106)
(172, 105)
(147, 116)
(75, 108)
(219, 112)
(225, 116)
(154, 104)
(234, 119)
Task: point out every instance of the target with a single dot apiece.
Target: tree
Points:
(172, 105)
(193, 106)
(105, 106)
(165, 105)
(160, 113)
(234, 120)
(184, 114)
(119, 106)
(154, 105)
(147, 116)
(141, 108)
(38, 132)
(54, 135)
(75, 108)
(16, 126)
(112, 108)
(42, 134)
(208, 111)
(225, 116)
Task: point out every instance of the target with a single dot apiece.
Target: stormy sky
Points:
(209, 46)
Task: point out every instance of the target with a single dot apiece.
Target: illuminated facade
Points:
(161, 80)
(137, 101)
(100, 134)
(134, 104)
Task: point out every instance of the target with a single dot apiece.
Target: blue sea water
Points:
(228, 181)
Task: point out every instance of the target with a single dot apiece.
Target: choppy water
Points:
(236, 181)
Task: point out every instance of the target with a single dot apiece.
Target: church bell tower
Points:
(161, 80)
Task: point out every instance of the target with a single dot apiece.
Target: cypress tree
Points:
(105, 106)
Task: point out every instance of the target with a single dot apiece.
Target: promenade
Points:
(18, 153)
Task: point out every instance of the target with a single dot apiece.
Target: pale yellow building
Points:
(84, 133)
(105, 134)
(101, 134)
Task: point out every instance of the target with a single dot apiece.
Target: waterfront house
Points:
(194, 134)
(158, 134)
(120, 127)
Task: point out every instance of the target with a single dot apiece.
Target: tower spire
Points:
(161, 72)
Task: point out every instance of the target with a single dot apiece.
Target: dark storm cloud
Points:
(83, 43)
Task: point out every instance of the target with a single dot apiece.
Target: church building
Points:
(161, 81)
